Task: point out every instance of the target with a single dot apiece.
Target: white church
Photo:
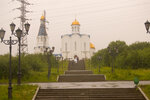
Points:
(76, 44)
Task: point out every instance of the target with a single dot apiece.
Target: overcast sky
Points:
(103, 20)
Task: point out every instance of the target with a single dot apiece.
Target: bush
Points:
(136, 55)
(29, 63)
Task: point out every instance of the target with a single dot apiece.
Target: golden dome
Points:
(75, 22)
(42, 17)
(92, 46)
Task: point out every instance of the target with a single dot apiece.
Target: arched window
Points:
(65, 46)
(75, 46)
(84, 46)
(75, 28)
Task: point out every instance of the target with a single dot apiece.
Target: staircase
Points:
(76, 66)
(77, 73)
(90, 94)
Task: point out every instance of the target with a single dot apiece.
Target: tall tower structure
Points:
(23, 19)
(42, 38)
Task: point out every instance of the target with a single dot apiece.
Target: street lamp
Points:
(62, 63)
(9, 42)
(113, 52)
(99, 58)
(49, 53)
(147, 25)
(19, 34)
(57, 61)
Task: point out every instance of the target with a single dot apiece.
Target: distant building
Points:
(76, 44)
(42, 38)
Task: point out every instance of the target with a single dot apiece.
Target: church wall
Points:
(42, 40)
(85, 46)
(92, 51)
(76, 45)
(42, 43)
(65, 46)
(82, 48)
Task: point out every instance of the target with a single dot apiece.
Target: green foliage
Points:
(34, 67)
(139, 45)
(23, 92)
(42, 76)
(122, 74)
(120, 55)
(4, 63)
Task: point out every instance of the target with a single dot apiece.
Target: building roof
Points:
(42, 29)
(70, 35)
(42, 17)
(75, 22)
(92, 46)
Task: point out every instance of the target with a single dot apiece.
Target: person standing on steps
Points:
(75, 59)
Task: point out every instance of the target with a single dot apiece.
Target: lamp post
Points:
(113, 52)
(147, 26)
(62, 63)
(99, 58)
(19, 34)
(49, 53)
(9, 42)
(57, 61)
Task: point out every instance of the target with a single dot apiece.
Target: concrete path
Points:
(105, 84)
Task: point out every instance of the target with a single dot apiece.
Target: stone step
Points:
(78, 72)
(90, 93)
(91, 90)
(76, 66)
(81, 78)
(86, 98)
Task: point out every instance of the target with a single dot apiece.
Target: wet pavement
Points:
(103, 84)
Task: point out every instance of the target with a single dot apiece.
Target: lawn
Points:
(23, 92)
(43, 75)
(146, 89)
(122, 74)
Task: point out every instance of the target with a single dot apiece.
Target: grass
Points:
(121, 74)
(146, 90)
(41, 76)
(23, 92)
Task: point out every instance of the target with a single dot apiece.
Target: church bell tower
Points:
(75, 27)
(42, 38)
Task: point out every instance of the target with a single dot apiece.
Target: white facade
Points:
(76, 44)
(42, 38)
(42, 44)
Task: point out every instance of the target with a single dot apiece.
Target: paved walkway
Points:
(106, 84)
